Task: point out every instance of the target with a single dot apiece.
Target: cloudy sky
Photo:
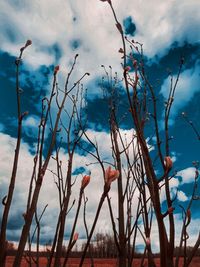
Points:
(59, 29)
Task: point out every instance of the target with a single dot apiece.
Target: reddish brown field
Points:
(97, 263)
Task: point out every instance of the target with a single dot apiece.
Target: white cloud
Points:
(182, 196)
(172, 23)
(49, 194)
(173, 185)
(192, 229)
(31, 121)
(94, 26)
(182, 177)
(187, 175)
(30, 125)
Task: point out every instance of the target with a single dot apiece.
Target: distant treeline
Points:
(103, 246)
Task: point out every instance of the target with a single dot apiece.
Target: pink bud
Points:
(148, 241)
(127, 68)
(111, 175)
(85, 181)
(121, 50)
(28, 42)
(75, 238)
(168, 163)
(56, 69)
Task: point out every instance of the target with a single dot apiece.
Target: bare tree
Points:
(138, 90)
(132, 164)
(7, 200)
(43, 163)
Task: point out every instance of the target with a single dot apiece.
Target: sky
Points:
(59, 29)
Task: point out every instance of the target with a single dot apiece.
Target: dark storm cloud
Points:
(156, 72)
(34, 85)
(129, 26)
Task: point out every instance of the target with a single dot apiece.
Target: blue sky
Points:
(59, 29)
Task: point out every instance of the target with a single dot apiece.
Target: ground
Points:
(97, 263)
